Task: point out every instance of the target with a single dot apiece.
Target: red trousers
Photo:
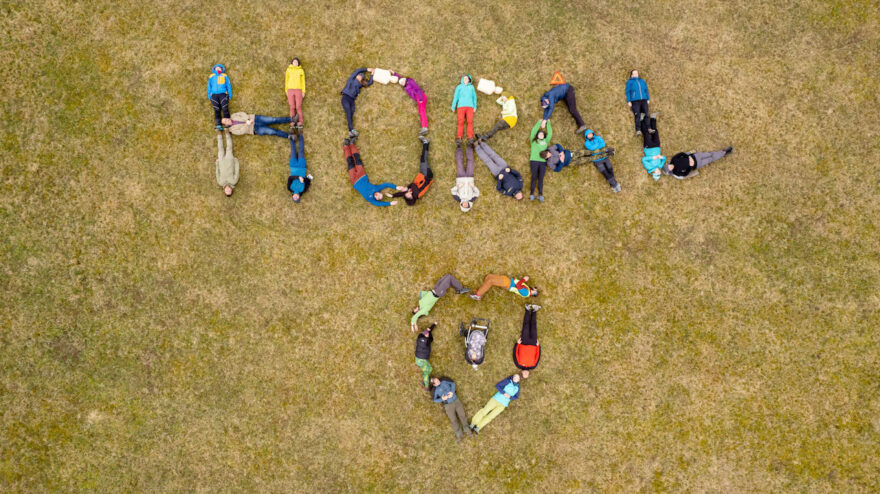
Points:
(295, 102)
(465, 113)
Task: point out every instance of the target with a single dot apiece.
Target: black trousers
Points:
(639, 107)
(220, 102)
(348, 106)
(538, 168)
(604, 167)
(571, 103)
(650, 135)
(424, 168)
(530, 328)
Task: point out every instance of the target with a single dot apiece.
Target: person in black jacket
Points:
(423, 353)
(350, 92)
(685, 165)
(510, 183)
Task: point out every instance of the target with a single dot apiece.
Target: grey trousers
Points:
(457, 417)
(444, 283)
(490, 158)
(704, 158)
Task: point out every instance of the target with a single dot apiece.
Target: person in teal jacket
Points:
(219, 93)
(542, 132)
(506, 390)
(596, 145)
(464, 103)
(653, 161)
(299, 180)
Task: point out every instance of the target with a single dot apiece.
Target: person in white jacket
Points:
(465, 192)
(508, 117)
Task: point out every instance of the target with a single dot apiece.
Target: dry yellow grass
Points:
(717, 334)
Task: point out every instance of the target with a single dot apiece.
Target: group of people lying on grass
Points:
(508, 181)
(526, 352)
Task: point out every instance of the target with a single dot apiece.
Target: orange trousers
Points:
(491, 280)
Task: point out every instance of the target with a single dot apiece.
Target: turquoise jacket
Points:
(465, 95)
(367, 190)
(649, 162)
(595, 145)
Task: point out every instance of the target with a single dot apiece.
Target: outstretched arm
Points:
(549, 130)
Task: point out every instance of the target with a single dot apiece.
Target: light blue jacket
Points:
(367, 190)
(219, 83)
(465, 95)
(636, 89)
(649, 162)
(595, 144)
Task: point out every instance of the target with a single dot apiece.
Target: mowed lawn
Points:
(718, 334)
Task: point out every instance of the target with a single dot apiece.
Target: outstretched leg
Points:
(703, 159)
(571, 103)
(424, 167)
(444, 283)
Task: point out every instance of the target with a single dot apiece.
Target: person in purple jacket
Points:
(418, 95)
(564, 93)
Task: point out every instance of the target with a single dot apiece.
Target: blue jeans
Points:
(297, 155)
(348, 106)
(262, 123)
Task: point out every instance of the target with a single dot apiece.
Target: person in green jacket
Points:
(427, 299)
(540, 140)
(464, 103)
(226, 167)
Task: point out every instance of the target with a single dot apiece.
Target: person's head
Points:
(545, 102)
(219, 68)
(515, 378)
(359, 77)
(296, 197)
(525, 374)
(377, 196)
(533, 292)
(228, 190)
(473, 356)
(634, 73)
(540, 135)
(294, 61)
(435, 382)
(504, 98)
(545, 154)
(466, 79)
(408, 194)
(466, 206)
(402, 81)
(518, 196)
(588, 135)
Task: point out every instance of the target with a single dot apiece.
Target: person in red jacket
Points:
(419, 186)
(527, 350)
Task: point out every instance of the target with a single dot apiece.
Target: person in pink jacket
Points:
(417, 94)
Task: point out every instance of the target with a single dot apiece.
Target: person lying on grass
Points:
(423, 353)
(506, 390)
(299, 180)
(419, 186)
(517, 286)
(596, 145)
(507, 180)
(685, 165)
(427, 299)
(465, 191)
(443, 391)
(241, 123)
(359, 179)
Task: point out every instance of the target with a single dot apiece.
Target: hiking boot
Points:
(581, 129)
(458, 142)
(424, 140)
(462, 291)
(728, 150)
(533, 307)
(353, 133)
(532, 197)
(638, 133)
(476, 430)
(292, 128)
(219, 128)
(615, 188)
(540, 198)
(470, 142)
(475, 297)
(423, 131)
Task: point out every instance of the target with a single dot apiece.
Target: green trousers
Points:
(426, 370)
(488, 412)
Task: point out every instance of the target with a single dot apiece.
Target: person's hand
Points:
(393, 203)
(413, 327)
(544, 123)
(561, 156)
(402, 188)
(371, 69)
(507, 169)
(525, 278)
(500, 176)
(506, 395)
(537, 342)
(648, 102)
(302, 180)
(519, 340)
(629, 104)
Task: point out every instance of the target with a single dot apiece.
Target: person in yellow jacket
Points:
(508, 117)
(295, 87)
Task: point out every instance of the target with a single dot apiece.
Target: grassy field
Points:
(717, 334)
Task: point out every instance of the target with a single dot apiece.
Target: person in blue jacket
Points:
(564, 93)
(637, 97)
(558, 157)
(357, 80)
(299, 180)
(443, 391)
(506, 390)
(653, 161)
(596, 145)
(359, 180)
(219, 93)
